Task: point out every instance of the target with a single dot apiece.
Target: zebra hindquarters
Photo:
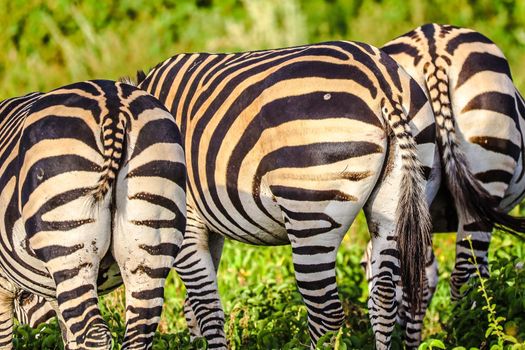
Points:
(149, 220)
(66, 229)
(72, 259)
(319, 199)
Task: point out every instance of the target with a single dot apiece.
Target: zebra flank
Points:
(285, 146)
(93, 142)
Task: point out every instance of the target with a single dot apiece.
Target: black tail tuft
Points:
(414, 236)
(413, 228)
(475, 202)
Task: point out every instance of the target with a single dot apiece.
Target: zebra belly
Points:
(253, 227)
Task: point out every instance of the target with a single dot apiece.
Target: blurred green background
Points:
(46, 44)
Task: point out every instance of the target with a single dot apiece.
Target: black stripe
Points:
(417, 99)
(302, 194)
(169, 249)
(399, 48)
(314, 267)
(46, 168)
(495, 101)
(36, 224)
(427, 135)
(477, 62)
(312, 250)
(494, 176)
(495, 144)
(149, 294)
(156, 131)
(53, 251)
(161, 168)
(465, 38)
(75, 293)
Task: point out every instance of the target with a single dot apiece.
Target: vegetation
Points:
(51, 43)
(46, 44)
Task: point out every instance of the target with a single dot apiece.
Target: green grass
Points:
(265, 311)
(46, 44)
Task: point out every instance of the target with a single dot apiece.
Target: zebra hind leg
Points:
(145, 243)
(76, 289)
(412, 324)
(215, 245)
(385, 270)
(196, 267)
(464, 267)
(315, 238)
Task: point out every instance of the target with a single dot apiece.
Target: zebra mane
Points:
(126, 79)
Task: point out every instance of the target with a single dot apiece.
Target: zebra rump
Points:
(469, 196)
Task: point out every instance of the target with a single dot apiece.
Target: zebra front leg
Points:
(464, 267)
(196, 267)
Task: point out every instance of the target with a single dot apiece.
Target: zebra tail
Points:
(113, 140)
(469, 196)
(413, 227)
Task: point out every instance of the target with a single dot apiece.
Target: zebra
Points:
(92, 179)
(32, 309)
(285, 146)
(480, 116)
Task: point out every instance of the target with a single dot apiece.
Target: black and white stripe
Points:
(92, 180)
(479, 116)
(285, 147)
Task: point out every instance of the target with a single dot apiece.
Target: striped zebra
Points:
(285, 147)
(479, 116)
(92, 180)
(32, 309)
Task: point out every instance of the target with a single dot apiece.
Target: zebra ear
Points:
(141, 75)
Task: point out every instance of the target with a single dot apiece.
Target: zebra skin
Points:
(92, 180)
(285, 147)
(479, 117)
